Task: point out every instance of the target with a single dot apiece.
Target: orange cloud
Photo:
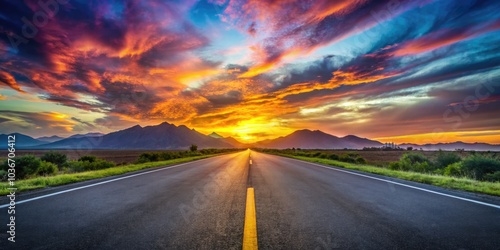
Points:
(8, 80)
(40, 121)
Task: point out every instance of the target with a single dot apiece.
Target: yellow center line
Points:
(250, 230)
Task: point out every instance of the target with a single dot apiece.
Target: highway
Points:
(296, 205)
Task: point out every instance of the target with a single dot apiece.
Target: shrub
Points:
(147, 157)
(478, 166)
(347, 158)
(413, 158)
(99, 164)
(323, 156)
(195, 154)
(494, 177)
(333, 157)
(454, 169)
(307, 153)
(208, 151)
(89, 158)
(27, 165)
(79, 166)
(394, 166)
(193, 148)
(422, 167)
(316, 154)
(168, 155)
(353, 155)
(76, 166)
(47, 168)
(444, 159)
(55, 157)
(360, 160)
(415, 162)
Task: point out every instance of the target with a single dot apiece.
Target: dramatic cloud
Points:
(29, 122)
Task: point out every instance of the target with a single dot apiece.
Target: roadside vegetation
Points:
(476, 172)
(54, 168)
(170, 155)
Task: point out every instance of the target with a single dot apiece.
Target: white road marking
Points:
(401, 184)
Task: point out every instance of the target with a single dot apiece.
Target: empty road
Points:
(295, 204)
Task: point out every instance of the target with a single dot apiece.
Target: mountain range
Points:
(53, 138)
(316, 139)
(169, 136)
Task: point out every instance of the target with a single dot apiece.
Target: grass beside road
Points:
(490, 188)
(57, 180)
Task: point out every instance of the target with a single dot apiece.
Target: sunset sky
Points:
(403, 71)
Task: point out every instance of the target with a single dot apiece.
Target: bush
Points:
(76, 166)
(360, 160)
(323, 156)
(454, 169)
(333, 157)
(413, 158)
(415, 162)
(148, 157)
(208, 151)
(444, 159)
(80, 166)
(167, 156)
(98, 164)
(89, 158)
(55, 158)
(494, 177)
(354, 155)
(193, 148)
(478, 166)
(422, 167)
(47, 168)
(394, 166)
(26, 166)
(308, 154)
(347, 158)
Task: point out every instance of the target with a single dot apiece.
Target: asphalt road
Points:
(201, 205)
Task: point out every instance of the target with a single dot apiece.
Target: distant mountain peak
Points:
(310, 132)
(215, 135)
(317, 139)
(91, 134)
(135, 127)
(50, 138)
(351, 136)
